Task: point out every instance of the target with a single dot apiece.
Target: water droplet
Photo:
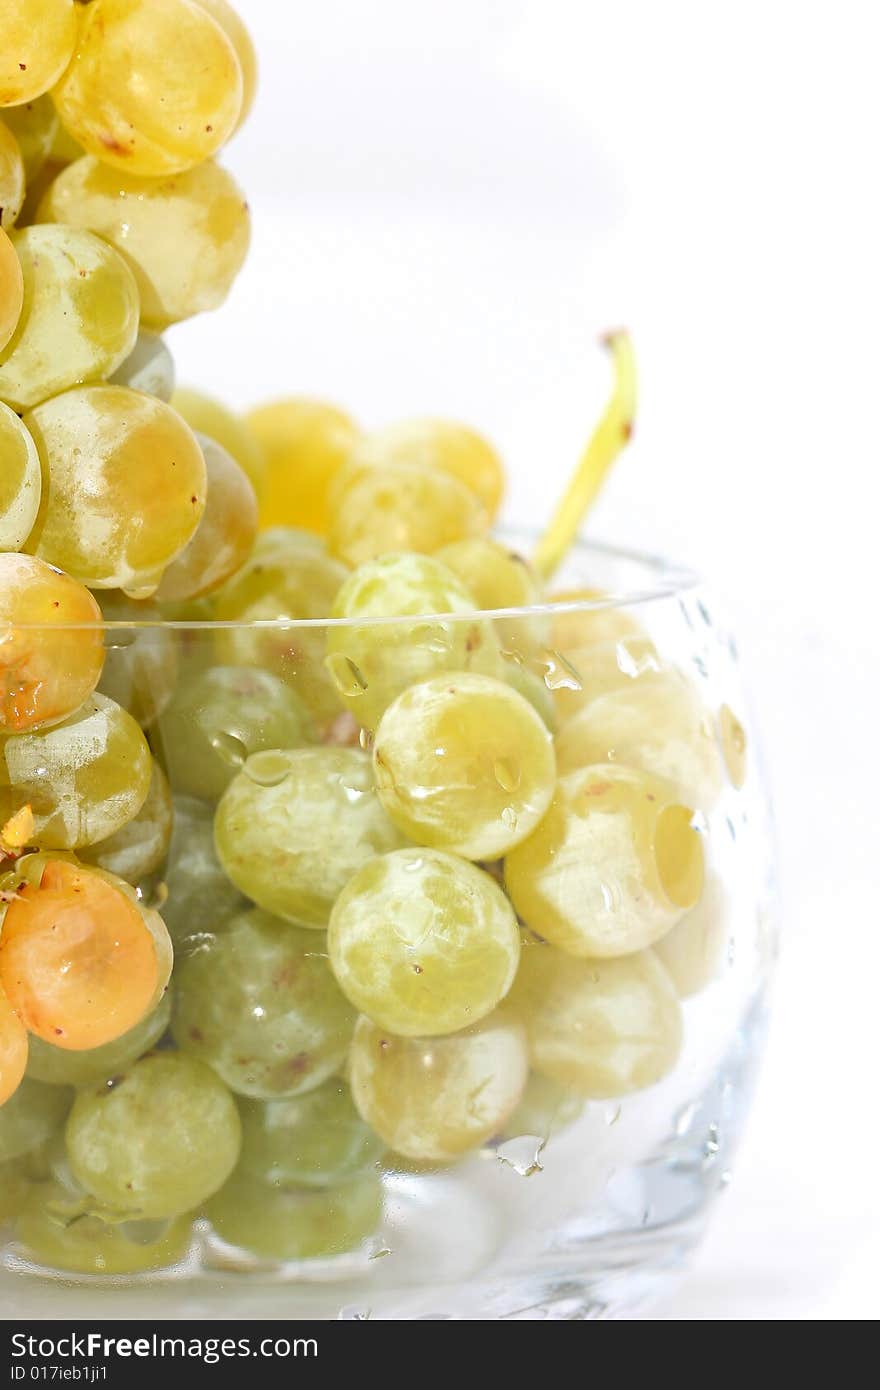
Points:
(509, 816)
(349, 680)
(414, 865)
(685, 1118)
(117, 641)
(268, 769)
(352, 1314)
(522, 1154)
(731, 828)
(229, 749)
(508, 774)
(704, 612)
(711, 1146)
(699, 823)
(366, 740)
(434, 637)
(559, 674)
(381, 1253)
(610, 896)
(613, 1115)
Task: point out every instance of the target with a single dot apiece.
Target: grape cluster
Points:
(312, 862)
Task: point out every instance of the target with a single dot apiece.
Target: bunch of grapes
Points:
(324, 846)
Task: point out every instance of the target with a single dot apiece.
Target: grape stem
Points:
(610, 437)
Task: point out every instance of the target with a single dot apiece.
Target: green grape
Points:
(200, 896)
(592, 650)
(464, 763)
(12, 178)
(656, 723)
(11, 289)
(241, 41)
(291, 1224)
(423, 943)
(38, 40)
(372, 664)
(30, 1115)
(154, 89)
(14, 1188)
(305, 444)
(602, 1028)
(149, 367)
(530, 685)
(431, 445)
(35, 127)
(84, 779)
(139, 848)
(141, 461)
(279, 584)
(159, 1141)
(294, 825)
(207, 416)
(615, 863)
(86, 1244)
(219, 717)
(500, 578)
(314, 1140)
(433, 1099)
(225, 535)
(400, 508)
(693, 951)
(259, 1003)
(63, 1068)
(80, 316)
(141, 664)
(546, 1108)
(185, 237)
(20, 481)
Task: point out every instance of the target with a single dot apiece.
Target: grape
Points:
(278, 542)
(464, 763)
(530, 685)
(140, 670)
(13, 1049)
(500, 578)
(84, 779)
(440, 445)
(207, 416)
(146, 486)
(615, 863)
(374, 663)
(225, 535)
(693, 952)
(11, 289)
(603, 1028)
(305, 443)
(159, 1141)
(153, 88)
(12, 178)
(291, 1224)
(80, 317)
(432, 1099)
(295, 824)
(148, 367)
(592, 650)
(62, 1068)
(20, 481)
(185, 237)
(14, 1189)
(200, 896)
(657, 724)
(423, 943)
(238, 36)
(546, 1108)
(35, 127)
(139, 848)
(38, 40)
(314, 1140)
(77, 959)
(260, 1004)
(399, 508)
(51, 647)
(85, 1244)
(732, 737)
(29, 1116)
(221, 716)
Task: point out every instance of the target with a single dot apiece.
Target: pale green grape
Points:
(530, 685)
(62, 1068)
(615, 863)
(219, 717)
(294, 826)
(84, 779)
(159, 1141)
(259, 1002)
(148, 367)
(139, 848)
(315, 1140)
(433, 1099)
(86, 1244)
(422, 942)
(141, 665)
(693, 952)
(500, 578)
(400, 508)
(592, 649)
(464, 763)
(200, 896)
(225, 535)
(30, 1115)
(603, 1028)
(80, 315)
(14, 1189)
(20, 481)
(372, 664)
(38, 40)
(546, 1108)
(296, 1224)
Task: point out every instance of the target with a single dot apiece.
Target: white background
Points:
(452, 198)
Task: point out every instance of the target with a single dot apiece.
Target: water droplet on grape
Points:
(267, 769)
(349, 680)
(230, 749)
(508, 774)
(366, 740)
(509, 816)
(559, 674)
(118, 640)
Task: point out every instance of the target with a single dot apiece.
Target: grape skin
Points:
(62, 1068)
(399, 508)
(208, 416)
(430, 445)
(200, 896)
(314, 1140)
(38, 40)
(149, 367)
(305, 444)
(88, 1244)
(141, 663)
(12, 178)
(30, 1116)
(11, 289)
(20, 481)
(296, 1224)
(234, 29)
(35, 127)
(139, 847)
(13, 1049)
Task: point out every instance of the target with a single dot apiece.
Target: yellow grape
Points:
(208, 416)
(433, 1099)
(139, 847)
(400, 508)
(12, 179)
(13, 1049)
(38, 38)
(11, 289)
(35, 127)
(146, 491)
(305, 444)
(500, 578)
(225, 535)
(693, 952)
(46, 670)
(80, 316)
(153, 88)
(185, 237)
(64, 148)
(20, 481)
(602, 1028)
(614, 864)
(148, 367)
(234, 28)
(440, 445)
(593, 650)
(464, 763)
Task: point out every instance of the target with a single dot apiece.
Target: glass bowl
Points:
(591, 947)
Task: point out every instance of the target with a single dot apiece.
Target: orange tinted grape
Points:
(13, 1049)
